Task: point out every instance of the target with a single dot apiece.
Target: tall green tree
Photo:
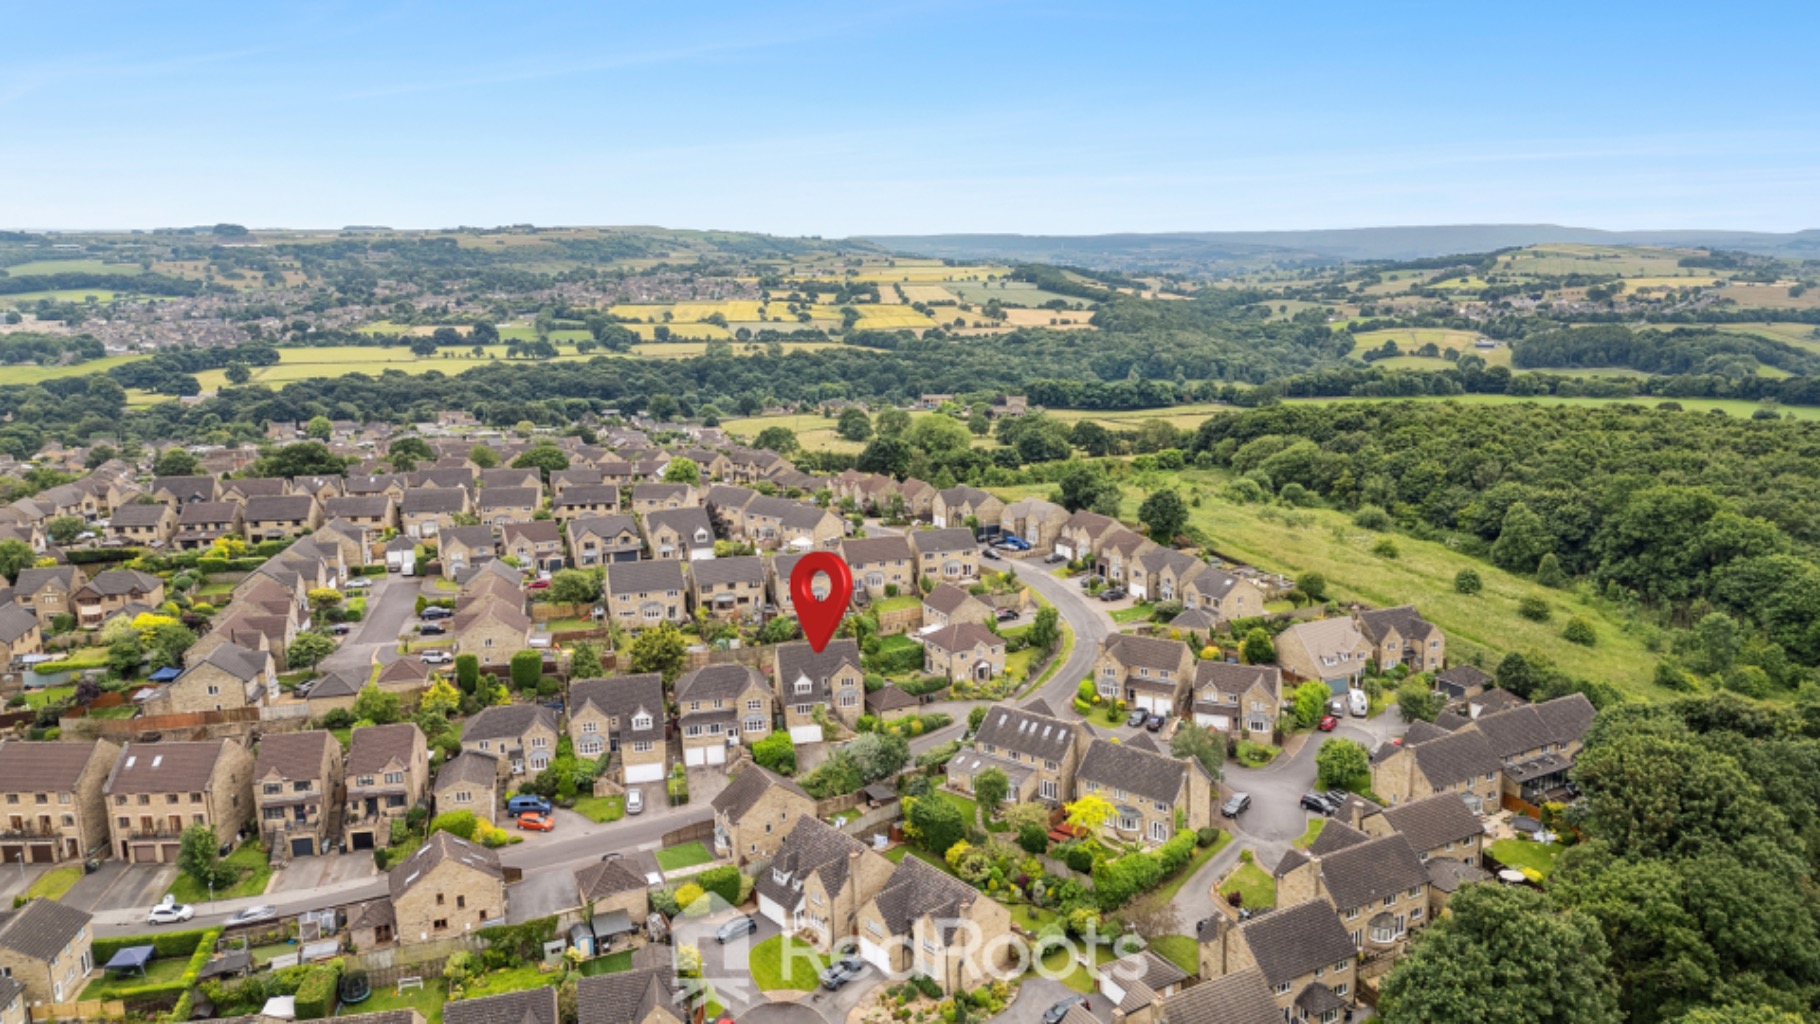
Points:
(1343, 764)
(989, 789)
(659, 650)
(684, 471)
(854, 425)
(15, 557)
(199, 858)
(1522, 541)
(1163, 514)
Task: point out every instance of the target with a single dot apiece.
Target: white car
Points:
(360, 583)
(170, 913)
(253, 915)
(438, 657)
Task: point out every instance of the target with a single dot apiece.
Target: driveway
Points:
(541, 894)
(1276, 819)
(391, 603)
(1037, 994)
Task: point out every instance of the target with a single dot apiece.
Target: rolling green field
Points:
(1422, 575)
(31, 373)
(1182, 417)
(23, 299)
(1409, 339)
(76, 266)
(1730, 406)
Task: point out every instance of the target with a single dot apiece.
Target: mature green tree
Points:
(989, 789)
(1418, 702)
(935, 434)
(1740, 1014)
(1256, 648)
(1045, 630)
(307, 649)
(1310, 702)
(854, 425)
(684, 471)
(891, 423)
(1092, 438)
(887, 454)
(1163, 514)
(526, 668)
(15, 556)
(1522, 541)
(1201, 744)
(467, 672)
(64, 530)
(545, 458)
(584, 661)
(407, 453)
(1085, 485)
(575, 586)
(776, 752)
(779, 439)
(936, 822)
(483, 456)
(319, 428)
(1715, 644)
(238, 374)
(165, 646)
(199, 858)
(1313, 584)
(1343, 764)
(1549, 965)
(1467, 582)
(175, 462)
(1549, 572)
(381, 707)
(306, 458)
(659, 650)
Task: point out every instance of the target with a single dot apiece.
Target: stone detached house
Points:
(1035, 521)
(280, 516)
(388, 773)
(623, 719)
(149, 526)
(469, 781)
(658, 497)
(600, 539)
(1155, 796)
(53, 809)
(611, 888)
(48, 592)
(948, 604)
(1237, 699)
(1138, 983)
(425, 512)
(644, 594)
(1149, 673)
(955, 505)
(721, 706)
(522, 736)
(1036, 750)
(1081, 535)
(376, 512)
(157, 790)
(536, 544)
(449, 887)
(1226, 596)
(946, 555)
(230, 676)
(882, 566)
(20, 633)
(497, 506)
(201, 524)
(1401, 636)
(1299, 957)
(296, 784)
(460, 548)
(645, 995)
(964, 650)
(679, 533)
(754, 813)
(1379, 887)
(1332, 651)
(583, 501)
(186, 490)
(46, 949)
(729, 588)
(831, 680)
(907, 927)
(818, 881)
(111, 591)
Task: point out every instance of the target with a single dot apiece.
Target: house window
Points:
(642, 747)
(1048, 790)
(589, 728)
(394, 778)
(641, 722)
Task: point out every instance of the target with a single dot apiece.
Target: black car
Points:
(1087, 582)
(341, 629)
(437, 612)
(1137, 717)
(1317, 802)
(740, 926)
(1060, 1010)
(1155, 722)
(989, 553)
(615, 855)
(1007, 614)
(1112, 593)
(1235, 805)
(433, 629)
(842, 971)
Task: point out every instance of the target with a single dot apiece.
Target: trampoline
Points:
(355, 988)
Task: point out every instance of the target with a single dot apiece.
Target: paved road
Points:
(391, 603)
(1088, 619)
(1276, 818)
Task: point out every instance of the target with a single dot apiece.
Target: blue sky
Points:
(911, 117)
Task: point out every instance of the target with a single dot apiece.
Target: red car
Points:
(1328, 722)
(531, 821)
(538, 585)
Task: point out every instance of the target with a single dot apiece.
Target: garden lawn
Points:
(601, 808)
(799, 971)
(1078, 979)
(427, 1000)
(1256, 885)
(510, 979)
(1017, 663)
(54, 883)
(685, 856)
(1031, 918)
(255, 871)
(159, 971)
(612, 963)
(1311, 833)
(1136, 613)
(1521, 853)
(1180, 950)
(36, 699)
(899, 603)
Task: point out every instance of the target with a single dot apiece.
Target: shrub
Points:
(1467, 581)
(456, 823)
(1207, 836)
(1579, 631)
(722, 881)
(1033, 839)
(317, 995)
(777, 752)
(1385, 548)
(1371, 517)
(527, 670)
(1079, 857)
(1533, 608)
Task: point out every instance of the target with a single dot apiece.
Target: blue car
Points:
(527, 802)
(1014, 542)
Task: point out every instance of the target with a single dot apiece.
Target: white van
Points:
(1358, 703)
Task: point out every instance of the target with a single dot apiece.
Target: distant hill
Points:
(1206, 250)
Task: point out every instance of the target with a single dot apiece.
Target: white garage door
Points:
(1114, 993)
(717, 754)
(805, 734)
(694, 757)
(1152, 702)
(774, 912)
(1220, 722)
(644, 773)
(874, 954)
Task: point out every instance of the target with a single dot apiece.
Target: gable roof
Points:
(1457, 679)
(867, 550)
(508, 722)
(951, 539)
(470, 767)
(1433, 823)
(797, 659)
(509, 497)
(1408, 623)
(659, 575)
(687, 521)
(1134, 651)
(165, 767)
(1152, 776)
(1369, 871)
(138, 515)
(962, 636)
(1227, 677)
(1240, 998)
(42, 928)
(124, 582)
(208, 513)
(587, 494)
(609, 878)
(1454, 758)
(375, 746)
(812, 847)
(628, 997)
(947, 598)
(434, 500)
(916, 890)
(716, 572)
(440, 847)
(752, 782)
(44, 767)
(295, 756)
(280, 506)
(1025, 731)
(716, 682)
(1291, 942)
(527, 1006)
(15, 622)
(622, 697)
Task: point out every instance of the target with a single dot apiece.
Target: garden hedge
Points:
(162, 943)
(317, 996)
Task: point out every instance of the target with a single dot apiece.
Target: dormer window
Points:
(641, 721)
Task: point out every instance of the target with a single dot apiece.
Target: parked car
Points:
(1059, 1010)
(432, 629)
(437, 657)
(253, 915)
(1359, 701)
(744, 924)
(341, 629)
(436, 611)
(1336, 707)
(1113, 593)
(1137, 717)
(169, 911)
(1318, 803)
(1155, 722)
(635, 801)
(527, 803)
(531, 821)
(990, 553)
(1014, 542)
(538, 585)
(1336, 797)
(842, 971)
(1327, 723)
(614, 855)
(1235, 805)
(1008, 614)
(360, 583)
(1053, 557)
(1088, 581)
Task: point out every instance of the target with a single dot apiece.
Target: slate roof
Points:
(166, 767)
(888, 698)
(716, 682)
(623, 696)
(470, 537)
(1025, 731)
(279, 506)
(29, 581)
(1448, 874)
(208, 513)
(42, 928)
(627, 997)
(716, 572)
(1433, 823)
(1142, 972)
(607, 527)
(609, 878)
(813, 847)
(1495, 700)
(527, 1006)
(799, 659)
(1318, 999)
(1422, 732)
(15, 622)
(1241, 998)
(961, 636)
(1336, 836)
(506, 476)
(10, 989)
(1135, 652)
(947, 598)
(1291, 942)
(122, 582)
(433, 500)
(375, 746)
(659, 576)
(659, 491)
(1370, 871)
(686, 522)
(441, 846)
(295, 756)
(509, 497)
(868, 550)
(470, 767)
(1195, 620)
(1456, 681)
(43, 767)
(537, 531)
(1567, 718)
(1454, 758)
(916, 890)
(508, 722)
(748, 786)
(1148, 775)
(576, 495)
(1233, 679)
(963, 495)
(138, 515)
(951, 539)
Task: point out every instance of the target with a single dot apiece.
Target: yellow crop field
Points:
(928, 293)
(923, 274)
(1636, 284)
(23, 299)
(1063, 319)
(688, 349)
(891, 318)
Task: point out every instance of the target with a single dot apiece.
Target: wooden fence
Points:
(93, 1009)
(700, 831)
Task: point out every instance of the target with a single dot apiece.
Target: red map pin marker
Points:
(820, 616)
